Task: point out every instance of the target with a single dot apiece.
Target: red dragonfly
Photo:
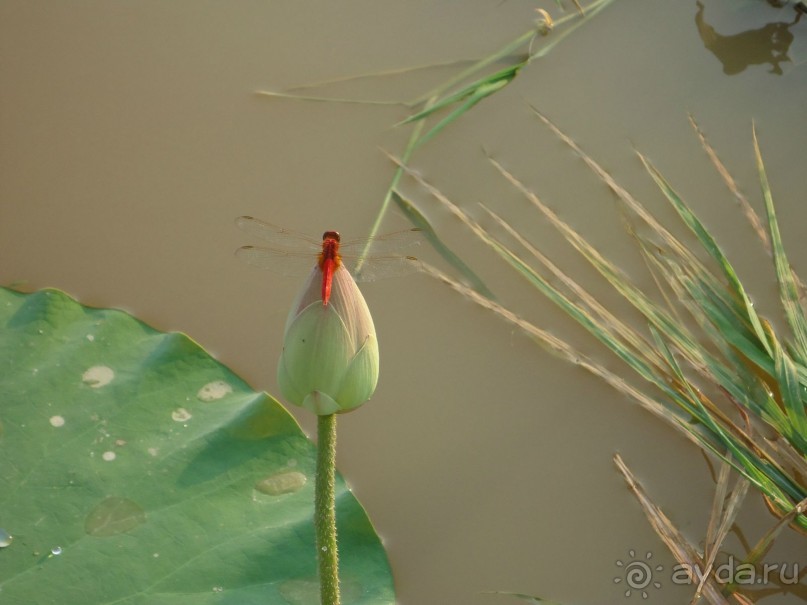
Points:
(293, 253)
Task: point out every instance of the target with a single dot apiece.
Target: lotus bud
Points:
(329, 362)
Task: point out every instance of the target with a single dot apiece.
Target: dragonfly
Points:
(291, 253)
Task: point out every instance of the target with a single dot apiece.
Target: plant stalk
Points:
(325, 510)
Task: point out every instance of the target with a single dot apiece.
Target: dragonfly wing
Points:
(383, 267)
(292, 253)
(382, 245)
(289, 240)
(280, 262)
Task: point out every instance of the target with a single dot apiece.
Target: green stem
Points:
(410, 148)
(324, 510)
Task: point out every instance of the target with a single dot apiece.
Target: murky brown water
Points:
(130, 139)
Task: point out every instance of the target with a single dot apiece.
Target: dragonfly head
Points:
(331, 235)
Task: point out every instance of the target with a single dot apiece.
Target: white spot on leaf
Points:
(109, 456)
(181, 415)
(56, 421)
(214, 390)
(98, 376)
(281, 483)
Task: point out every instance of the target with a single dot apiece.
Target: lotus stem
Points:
(325, 510)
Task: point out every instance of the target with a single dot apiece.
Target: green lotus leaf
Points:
(136, 469)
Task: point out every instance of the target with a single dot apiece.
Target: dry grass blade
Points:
(748, 210)
(788, 455)
(640, 362)
(734, 352)
(712, 530)
(683, 552)
(765, 543)
(724, 512)
(398, 71)
(728, 318)
(619, 328)
(610, 272)
(524, 597)
(561, 348)
(691, 404)
(631, 202)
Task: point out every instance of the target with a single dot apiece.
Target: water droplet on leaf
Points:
(5, 538)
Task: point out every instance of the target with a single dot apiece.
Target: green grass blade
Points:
(482, 87)
(635, 361)
(509, 49)
(472, 95)
(788, 290)
(711, 246)
(481, 93)
(419, 220)
(791, 392)
(317, 99)
(622, 194)
(741, 459)
(655, 314)
(558, 36)
(396, 177)
(618, 327)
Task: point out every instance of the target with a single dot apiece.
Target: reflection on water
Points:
(768, 44)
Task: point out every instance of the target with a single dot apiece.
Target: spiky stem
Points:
(324, 510)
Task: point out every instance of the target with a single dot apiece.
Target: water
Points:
(485, 463)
